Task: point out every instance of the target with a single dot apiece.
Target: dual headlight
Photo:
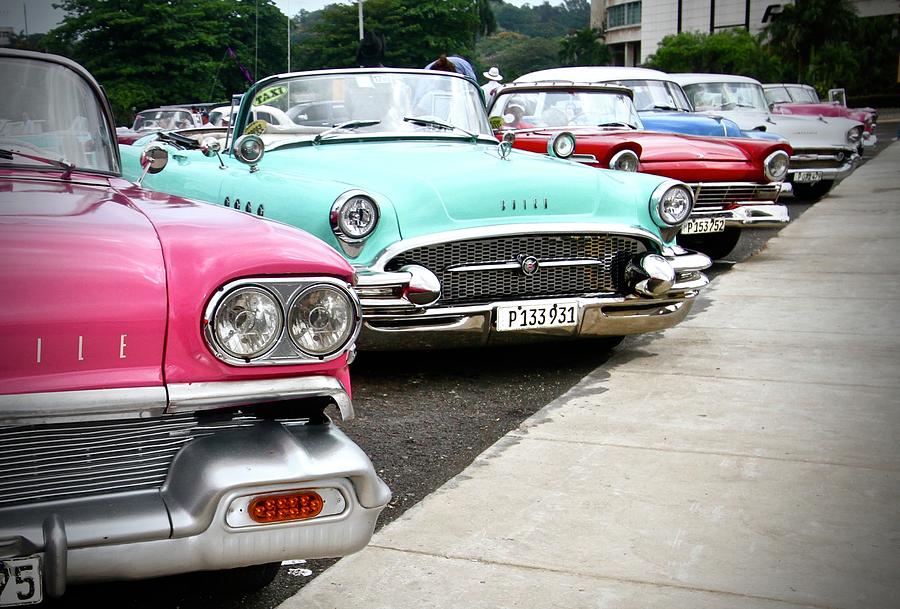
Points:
(776, 166)
(854, 135)
(671, 204)
(281, 321)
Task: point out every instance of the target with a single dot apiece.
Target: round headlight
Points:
(776, 166)
(624, 160)
(321, 320)
(247, 322)
(354, 216)
(854, 135)
(561, 145)
(671, 204)
(249, 149)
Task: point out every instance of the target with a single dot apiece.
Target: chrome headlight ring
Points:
(624, 160)
(671, 204)
(561, 145)
(854, 135)
(775, 167)
(354, 216)
(249, 322)
(249, 149)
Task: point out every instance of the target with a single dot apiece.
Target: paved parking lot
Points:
(747, 458)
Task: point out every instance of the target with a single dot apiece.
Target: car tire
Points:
(812, 192)
(248, 579)
(714, 245)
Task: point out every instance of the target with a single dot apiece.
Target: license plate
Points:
(20, 581)
(527, 316)
(695, 226)
(807, 176)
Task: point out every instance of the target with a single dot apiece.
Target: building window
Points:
(623, 14)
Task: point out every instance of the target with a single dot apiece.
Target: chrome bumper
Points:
(844, 167)
(400, 324)
(196, 521)
(751, 215)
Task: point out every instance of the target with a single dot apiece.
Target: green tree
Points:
(516, 54)
(584, 47)
(727, 52)
(151, 53)
(543, 20)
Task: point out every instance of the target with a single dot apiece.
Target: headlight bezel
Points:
(232, 295)
(557, 145)
(770, 175)
(337, 221)
(854, 134)
(658, 198)
(290, 315)
(285, 291)
(627, 153)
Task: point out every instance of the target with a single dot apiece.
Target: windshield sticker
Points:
(269, 95)
(381, 79)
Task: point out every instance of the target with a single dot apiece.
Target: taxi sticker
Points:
(269, 95)
(257, 127)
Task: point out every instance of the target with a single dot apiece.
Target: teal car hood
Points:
(439, 186)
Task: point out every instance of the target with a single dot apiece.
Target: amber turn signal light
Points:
(281, 508)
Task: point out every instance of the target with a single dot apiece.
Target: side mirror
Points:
(210, 147)
(154, 159)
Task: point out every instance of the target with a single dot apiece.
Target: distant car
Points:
(456, 239)
(736, 181)
(662, 104)
(803, 99)
(220, 116)
(825, 149)
(158, 119)
(166, 368)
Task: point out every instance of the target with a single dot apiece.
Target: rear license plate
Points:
(526, 316)
(695, 226)
(20, 581)
(807, 176)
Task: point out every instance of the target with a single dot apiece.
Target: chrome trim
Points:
(656, 200)
(286, 289)
(626, 152)
(769, 159)
(351, 245)
(84, 405)
(189, 397)
(765, 215)
(503, 266)
(584, 158)
(568, 228)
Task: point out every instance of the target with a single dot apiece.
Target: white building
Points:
(634, 28)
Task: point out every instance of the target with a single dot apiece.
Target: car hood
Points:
(689, 123)
(85, 288)
(800, 131)
(446, 185)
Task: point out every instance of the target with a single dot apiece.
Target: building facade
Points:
(634, 28)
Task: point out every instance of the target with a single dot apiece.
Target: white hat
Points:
(493, 74)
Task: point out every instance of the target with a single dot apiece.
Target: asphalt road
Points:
(422, 418)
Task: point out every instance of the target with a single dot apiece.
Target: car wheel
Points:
(248, 579)
(812, 192)
(714, 245)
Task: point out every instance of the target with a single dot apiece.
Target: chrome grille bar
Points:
(717, 196)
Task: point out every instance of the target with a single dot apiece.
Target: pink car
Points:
(166, 367)
(803, 100)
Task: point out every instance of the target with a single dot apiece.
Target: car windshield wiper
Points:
(629, 125)
(667, 107)
(8, 154)
(345, 125)
(427, 122)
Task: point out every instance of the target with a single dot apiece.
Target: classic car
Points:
(662, 104)
(168, 369)
(736, 181)
(158, 119)
(456, 239)
(793, 98)
(825, 150)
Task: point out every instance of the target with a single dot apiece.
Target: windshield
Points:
(727, 96)
(804, 95)
(657, 95)
(562, 108)
(777, 95)
(52, 113)
(307, 105)
(155, 120)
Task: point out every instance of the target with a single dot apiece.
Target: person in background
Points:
(460, 65)
(370, 51)
(490, 87)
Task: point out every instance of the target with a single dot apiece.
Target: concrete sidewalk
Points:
(747, 458)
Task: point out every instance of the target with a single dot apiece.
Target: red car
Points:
(803, 100)
(166, 367)
(736, 181)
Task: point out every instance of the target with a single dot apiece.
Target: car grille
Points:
(709, 197)
(488, 285)
(41, 463)
(826, 158)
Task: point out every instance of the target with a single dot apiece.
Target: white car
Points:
(825, 149)
(221, 115)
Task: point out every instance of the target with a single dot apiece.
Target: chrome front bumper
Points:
(844, 164)
(196, 521)
(400, 324)
(751, 215)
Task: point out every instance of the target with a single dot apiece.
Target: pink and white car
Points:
(166, 368)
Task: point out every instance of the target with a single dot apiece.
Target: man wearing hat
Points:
(493, 83)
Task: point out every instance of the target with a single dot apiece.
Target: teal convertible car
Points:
(456, 239)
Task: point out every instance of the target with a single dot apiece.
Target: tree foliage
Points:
(151, 53)
(416, 32)
(584, 47)
(543, 20)
(516, 54)
(728, 52)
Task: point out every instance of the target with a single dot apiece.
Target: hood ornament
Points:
(504, 148)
